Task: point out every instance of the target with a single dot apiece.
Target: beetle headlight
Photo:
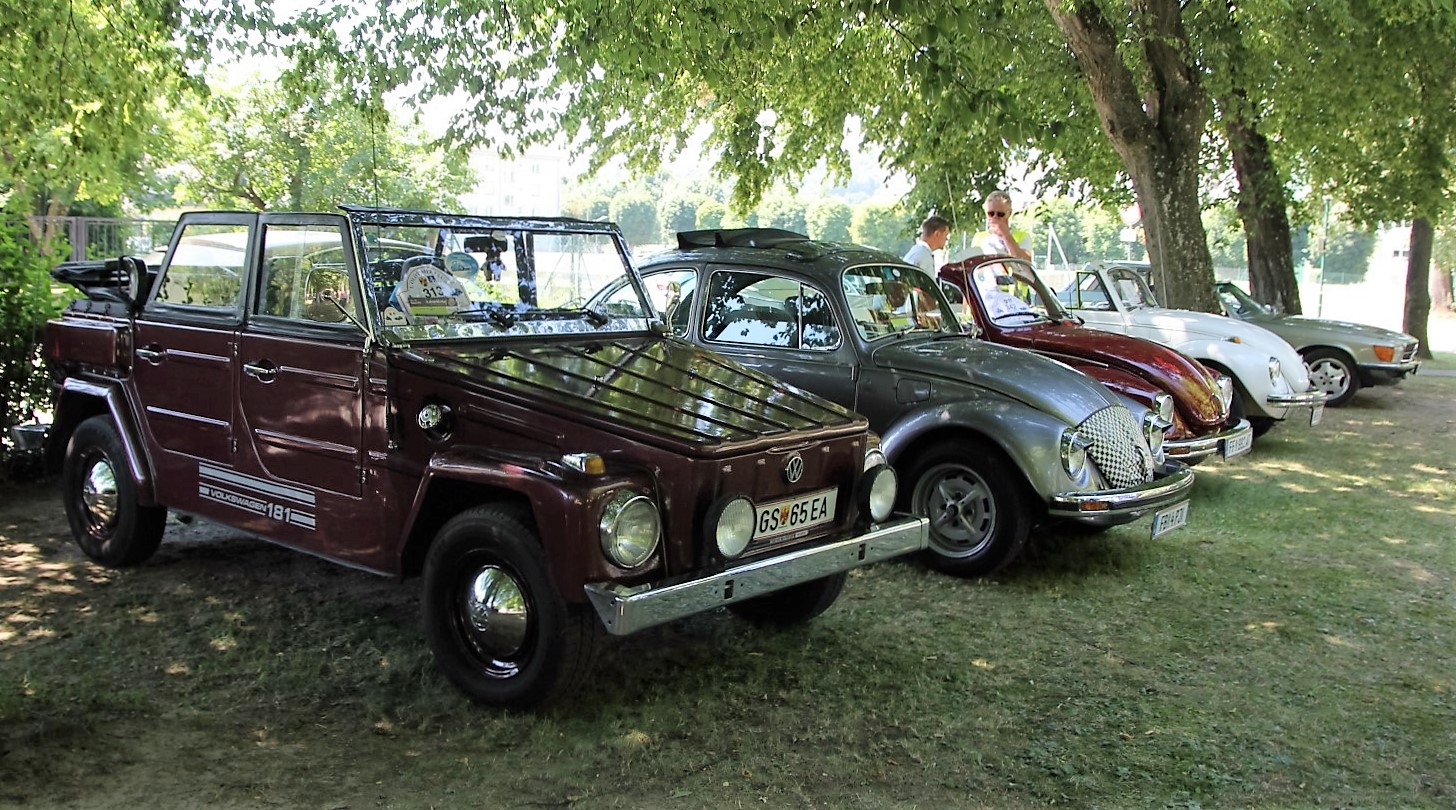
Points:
(1163, 407)
(629, 528)
(1226, 392)
(1274, 373)
(1074, 452)
(730, 522)
(1156, 433)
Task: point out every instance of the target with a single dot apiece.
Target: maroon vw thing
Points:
(422, 394)
(1012, 306)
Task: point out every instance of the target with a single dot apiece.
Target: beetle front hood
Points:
(657, 390)
(1206, 325)
(1194, 388)
(1021, 375)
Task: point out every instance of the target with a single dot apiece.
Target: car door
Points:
(780, 325)
(185, 356)
(302, 383)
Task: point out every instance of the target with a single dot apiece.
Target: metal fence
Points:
(104, 237)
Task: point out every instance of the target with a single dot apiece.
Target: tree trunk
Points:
(1417, 281)
(1157, 133)
(1263, 204)
(1441, 292)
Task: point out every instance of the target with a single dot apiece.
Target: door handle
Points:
(150, 355)
(263, 371)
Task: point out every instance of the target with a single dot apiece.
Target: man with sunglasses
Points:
(999, 237)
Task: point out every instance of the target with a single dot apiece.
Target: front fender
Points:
(564, 505)
(1029, 437)
(1247, 365)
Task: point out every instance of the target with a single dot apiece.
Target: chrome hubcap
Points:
(495, 607)
(961, 510)
(98, 493)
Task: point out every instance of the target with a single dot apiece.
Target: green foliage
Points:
(1226, 240)
(830, 220)
(635, 213)
(782, 212)
(82, 85)
(882, 226)
(26, 302)
(272, 147)
(678, 214)
(711, 214)
(1349, 256)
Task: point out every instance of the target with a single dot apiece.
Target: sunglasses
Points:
(998, 213)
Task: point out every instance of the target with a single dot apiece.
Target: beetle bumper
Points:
(1117, 506)
(625, 609)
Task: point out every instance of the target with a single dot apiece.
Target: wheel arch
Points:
(79, 400)
(902, 456)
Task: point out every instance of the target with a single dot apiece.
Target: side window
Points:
(756, 309)
(885, 299)
(1087, 293)
(206, 268)
(304, 273)
(671, 293)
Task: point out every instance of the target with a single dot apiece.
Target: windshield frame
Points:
(476, 322)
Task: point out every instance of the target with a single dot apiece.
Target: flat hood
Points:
(1193, 387)
(660, 391)
(1343, 329)
(1041, 383)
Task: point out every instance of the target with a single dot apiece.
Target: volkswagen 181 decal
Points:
(280, 502)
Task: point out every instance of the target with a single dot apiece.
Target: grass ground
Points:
(1291, 647)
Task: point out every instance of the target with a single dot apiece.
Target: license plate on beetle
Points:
(1238, 445)
(1166, 520)
(1316, 414)
(793, 514)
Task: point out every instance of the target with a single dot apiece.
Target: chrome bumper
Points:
(1112, 507)
(1308, 399)
(1204, 446)
(627, 609)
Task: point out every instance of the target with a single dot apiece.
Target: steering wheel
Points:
(416, 261)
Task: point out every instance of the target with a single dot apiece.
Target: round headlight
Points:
(880, 487)
(1156, 435)
(731, 523)
(1074, 452)
(629, 529)
(1226, 392)
(1274, 371)
(1163, 407)
(874, 456)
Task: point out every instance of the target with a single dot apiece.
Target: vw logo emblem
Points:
(794, 468)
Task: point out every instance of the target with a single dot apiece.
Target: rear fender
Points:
(79, 400)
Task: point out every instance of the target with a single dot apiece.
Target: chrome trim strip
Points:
(625, 609)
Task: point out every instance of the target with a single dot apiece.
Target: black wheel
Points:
(100, 498)
(979, 519)
(1240, 410)
(1332, 372)
(793, 605)
(499, 630)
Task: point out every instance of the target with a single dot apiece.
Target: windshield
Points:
(891, 299)
(1122, 285)
(1013, 293)
(477, 278)
(1237, 302)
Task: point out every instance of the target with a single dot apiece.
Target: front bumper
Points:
(1308, 399)
(627, 609)
(1387, 373)
(1199, 447)
(1118, 506)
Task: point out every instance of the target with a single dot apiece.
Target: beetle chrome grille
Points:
(1119, 452)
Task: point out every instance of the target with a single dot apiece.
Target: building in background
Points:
(526, 186)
